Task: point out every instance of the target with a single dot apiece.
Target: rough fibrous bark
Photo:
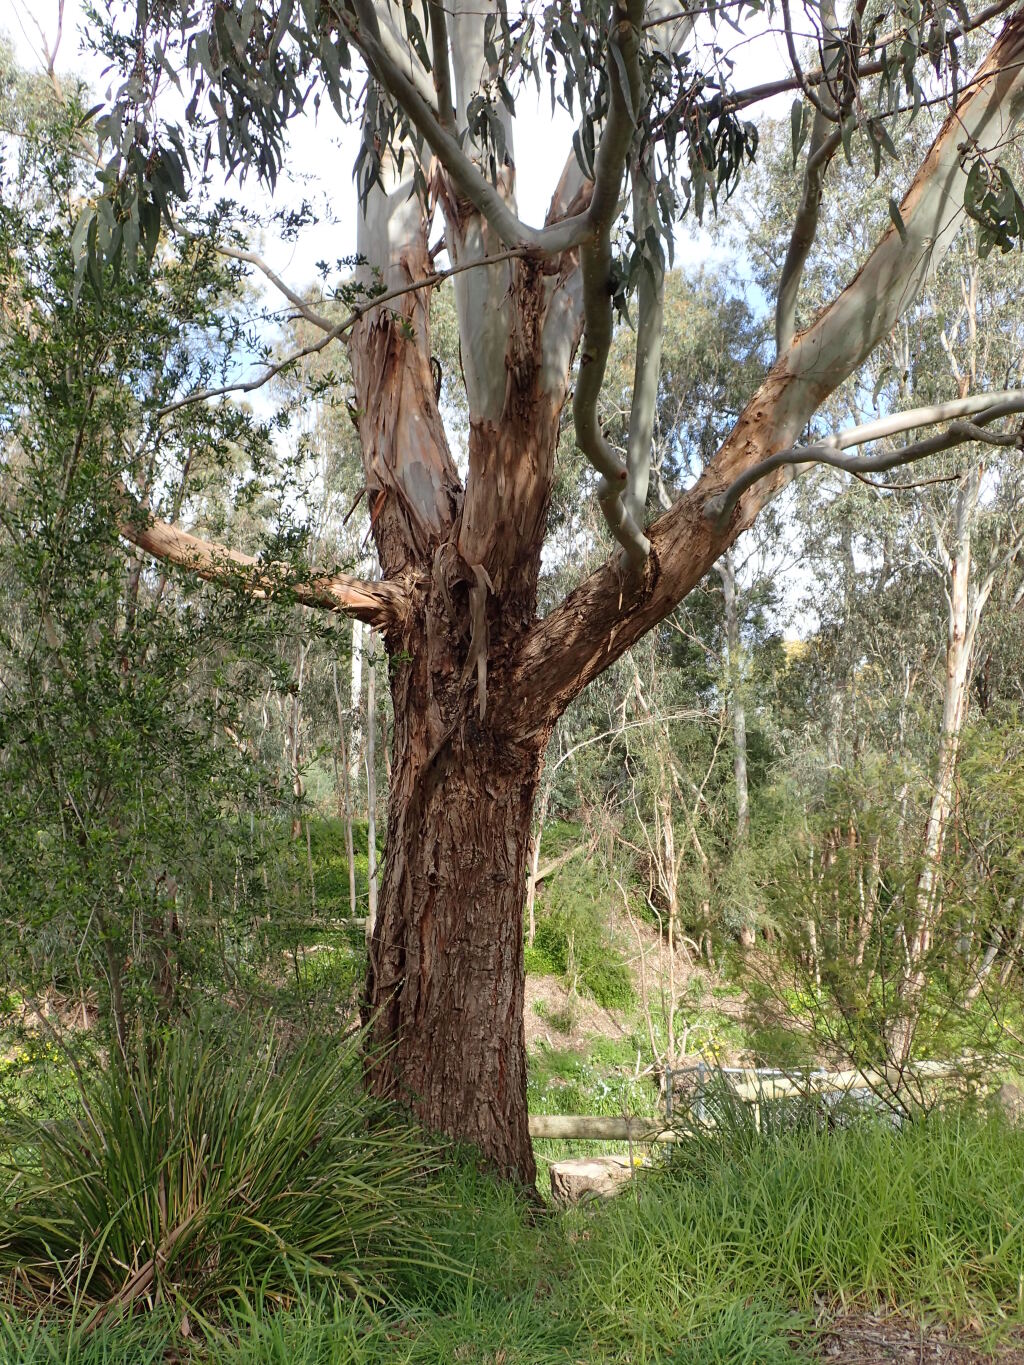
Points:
(445, 988)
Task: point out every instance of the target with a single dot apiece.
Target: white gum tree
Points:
(478, 678)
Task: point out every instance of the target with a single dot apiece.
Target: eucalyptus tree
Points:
(969, 537)
(477, 679)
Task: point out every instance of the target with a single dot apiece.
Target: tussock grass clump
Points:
(214, 1162)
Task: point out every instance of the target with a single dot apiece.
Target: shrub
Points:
(214, 1162)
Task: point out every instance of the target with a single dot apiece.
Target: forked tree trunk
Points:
(459, 559)
(446, 977)
(445, 980)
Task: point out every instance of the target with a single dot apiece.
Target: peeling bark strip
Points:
(410, 476)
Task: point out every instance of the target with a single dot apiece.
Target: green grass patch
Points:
(928, 1219)
(724, 1255)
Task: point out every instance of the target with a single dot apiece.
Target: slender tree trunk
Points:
(959, 642)
(356, 701)
(371, 791)
(726, 567)
(346, 794)
(964, 608)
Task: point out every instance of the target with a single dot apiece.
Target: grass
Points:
(215, 1160)
(727, 1253)
(929, 1219)
(720, 1258)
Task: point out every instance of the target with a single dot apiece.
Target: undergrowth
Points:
(208, 1161)
(572, 939)
(727, 1253)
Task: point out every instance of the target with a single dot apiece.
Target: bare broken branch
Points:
(430, 281)
(381, 604)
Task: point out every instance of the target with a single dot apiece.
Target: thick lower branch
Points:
(381, 604)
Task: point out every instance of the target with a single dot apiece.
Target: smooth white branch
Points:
(596, 267)
(467, 177)
(986, 408)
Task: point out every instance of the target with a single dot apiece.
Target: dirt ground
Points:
(589, 1020)
(864, 1339)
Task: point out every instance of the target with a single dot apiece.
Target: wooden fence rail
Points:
(746, 1084)
(599, 1128)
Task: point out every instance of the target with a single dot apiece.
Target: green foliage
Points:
(330, 865)
(136, 807)
(572, 938)
(991, 199)
(216, 1160)
(38, 1079)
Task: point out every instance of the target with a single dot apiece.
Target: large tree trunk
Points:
(445, 986)
(444, 996)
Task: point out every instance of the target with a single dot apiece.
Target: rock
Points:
(589, 1177)
(1009, 1100)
